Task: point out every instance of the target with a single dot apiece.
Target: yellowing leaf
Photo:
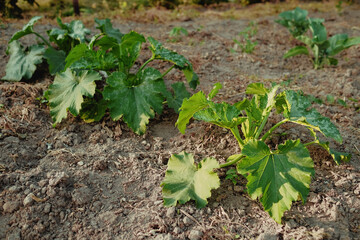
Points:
(277, 178)
(67, 91)
(185, 181)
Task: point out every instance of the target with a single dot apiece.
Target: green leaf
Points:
(189, 107)
(277, 178)
(295, 21)
(78, 31)
(76, 54)
(185, 181)
(27, 29)
(298, 50)
(256, 88)
(22, 63)
(135, 97)
(221, 114)
(105, 26)
(318, 30)
(298, 111)
(214, 90)
(55, 59)
(159, 52)
(67, 91)
(129, 49)
(93, 110)
(180, 93)
(338, 157)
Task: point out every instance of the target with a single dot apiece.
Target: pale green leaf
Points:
(22, 63)
(298, 50)
(214, 90)
(256, 88)
(27, 29)
(277, 178)
(67, 91)
(185, 181)
(189, 107)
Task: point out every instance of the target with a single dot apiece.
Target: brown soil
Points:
(101, 181)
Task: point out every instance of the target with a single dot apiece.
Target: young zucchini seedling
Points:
(276, 176)
(323, 49)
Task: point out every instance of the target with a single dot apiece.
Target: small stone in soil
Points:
(81, 195)
(11, 206)
(195, 235)
(170, 212)
(187, 221)
(28, 199)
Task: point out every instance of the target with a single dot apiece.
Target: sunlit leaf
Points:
(277, 178)
(185, 181)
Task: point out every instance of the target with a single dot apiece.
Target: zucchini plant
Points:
(276, 175)
(322, 49)
(130, 92)
(24, 60)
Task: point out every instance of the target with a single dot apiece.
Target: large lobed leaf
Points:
(22, 63)
(184, 180)
(55, 59)
(189, 107)
(175, 100)
(67, 91)
(277, 178)
(27, 29)
(159, 52)
(105, 26)
(129, 49)
(298, 109)
(295, 21)
(135, 103)
(220, 114)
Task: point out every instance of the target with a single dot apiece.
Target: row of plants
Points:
(94, 75)
(104, 74)
(316, 45)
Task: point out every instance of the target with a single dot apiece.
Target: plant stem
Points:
(309, 143)
(167, 71)
(149, 60)
(232, 162)
(235, 132)
(258, 132)
(42, 38)
(267, 134)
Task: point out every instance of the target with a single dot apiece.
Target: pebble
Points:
(187, 221)
(14, 189)
(56, 178)
(47, 208)
(238, 188)
(177, 230)
(170, 213)
(11, 139)
(10, 207)
(195, 235)
(81, 196)
(28, 200)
